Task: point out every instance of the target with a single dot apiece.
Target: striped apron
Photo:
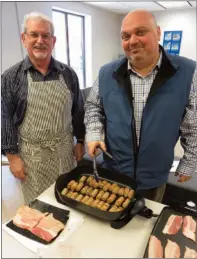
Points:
(46, 135)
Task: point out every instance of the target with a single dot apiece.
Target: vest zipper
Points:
(133, 126)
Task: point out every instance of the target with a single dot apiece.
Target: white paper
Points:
(174, 166)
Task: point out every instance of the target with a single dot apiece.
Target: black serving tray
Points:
(59, 214)
(179, 238)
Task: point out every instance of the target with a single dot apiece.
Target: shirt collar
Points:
(52, 65)
(157, 66)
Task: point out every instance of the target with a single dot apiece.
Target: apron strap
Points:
(29, 78)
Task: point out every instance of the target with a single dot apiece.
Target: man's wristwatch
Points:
(80, 141)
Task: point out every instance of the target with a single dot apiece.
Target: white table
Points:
(95, 238)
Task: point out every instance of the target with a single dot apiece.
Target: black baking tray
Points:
(111, 176)
(59, 214)
(179, 238)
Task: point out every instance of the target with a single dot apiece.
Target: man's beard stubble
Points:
(40, 55)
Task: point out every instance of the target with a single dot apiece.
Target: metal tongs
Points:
(95, 172)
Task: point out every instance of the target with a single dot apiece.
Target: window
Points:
(70, 45)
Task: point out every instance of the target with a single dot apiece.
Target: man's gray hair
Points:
(37, 17)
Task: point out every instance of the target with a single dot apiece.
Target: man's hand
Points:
(16, 166)
(93, 145)
(182, 178)
(79, 151)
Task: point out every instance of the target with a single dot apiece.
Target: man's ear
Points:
(23, 39)
(158, 33)
(54, 41)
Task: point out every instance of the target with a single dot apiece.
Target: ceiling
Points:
(122, 7)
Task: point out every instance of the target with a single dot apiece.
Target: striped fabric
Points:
(14, 90)
(46, 140)
(94, 118)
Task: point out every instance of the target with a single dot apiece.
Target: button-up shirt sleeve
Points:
(188, 164)
(9, 137)
(94, 115)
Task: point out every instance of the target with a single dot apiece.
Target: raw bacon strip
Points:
(190, 253)
(155, 249)
(172, 250)
(189, 228)
(173, 225)
(48, 228)
(27, 218)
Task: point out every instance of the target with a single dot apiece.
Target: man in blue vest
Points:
(139, 107)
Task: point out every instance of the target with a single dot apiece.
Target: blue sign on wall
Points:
(172, 42)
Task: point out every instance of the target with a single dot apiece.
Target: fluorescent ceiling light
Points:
(174, 4)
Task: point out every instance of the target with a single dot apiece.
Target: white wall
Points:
(11, 47)
(105, 30)
(184, 20)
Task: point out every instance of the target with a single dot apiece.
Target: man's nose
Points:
(40, 39)
(133, 39)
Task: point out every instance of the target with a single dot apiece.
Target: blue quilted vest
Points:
(150, 162)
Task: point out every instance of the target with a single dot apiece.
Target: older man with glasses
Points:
(42, 109)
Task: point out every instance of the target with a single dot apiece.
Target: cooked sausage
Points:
(94, 184)
(101, 184)
(119, 209)
(126, 192)
(105, 206)
(83, 191)
(90, 178)
(105, 196)
(113, 208)
(69, 194)
(79, 186)
(130, 194)
(119, 201)
(74, 195)
(126, 203)
(89, 191)
(89, 201)
(74, 186)
(94, 193)
(100, 204)
(94, 203)
(70, 184)
(114, 185)
(83, 179)
(116, 189)
(106, 187)
(100, 194)
(105, 182)
(64, 191)
(79, 197)
(111, 198)
(85, 199)
(121, 192)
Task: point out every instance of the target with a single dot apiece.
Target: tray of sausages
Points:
(110, 198)
(103, 195)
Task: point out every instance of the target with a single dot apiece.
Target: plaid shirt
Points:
(141, 85)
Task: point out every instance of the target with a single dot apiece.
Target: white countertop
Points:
(95, 238)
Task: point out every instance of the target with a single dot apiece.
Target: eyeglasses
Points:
(35, 35)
